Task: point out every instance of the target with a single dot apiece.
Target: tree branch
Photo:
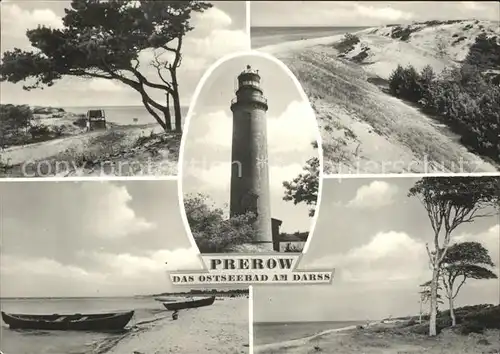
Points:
(460, 285)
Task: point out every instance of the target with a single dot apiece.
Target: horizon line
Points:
(372, 25)
(85, 106)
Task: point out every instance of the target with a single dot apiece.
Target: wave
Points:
(300, 44)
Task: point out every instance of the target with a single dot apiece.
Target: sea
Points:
(55, 342)
(263, 36)
(125, 115)
(277, 332)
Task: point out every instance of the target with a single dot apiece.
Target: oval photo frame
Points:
(235, 154)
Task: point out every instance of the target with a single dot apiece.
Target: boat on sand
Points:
(165, 299)
(179, 305)
(76, 322)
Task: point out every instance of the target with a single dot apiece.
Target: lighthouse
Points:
(249, 165)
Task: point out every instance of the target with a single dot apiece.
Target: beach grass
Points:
(363, 129)
(118, 151)
(391, 338)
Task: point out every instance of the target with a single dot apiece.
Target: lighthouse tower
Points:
(249, 165)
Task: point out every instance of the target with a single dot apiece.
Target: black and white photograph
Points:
(416, 271)
(85, 269)
(251, 161)
(102, 88)
(397, 86)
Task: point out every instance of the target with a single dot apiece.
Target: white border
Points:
(187, 124)
(410, 175)
(250, 319)
(88, 179)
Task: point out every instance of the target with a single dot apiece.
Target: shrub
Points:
(465, 98)
(405, 83)
(484, 53)
(489, 317)
(39, 132)
(347, 43)
(212, 232)
(81, 122)
(402, 33)
(471, 327)
(14, 122)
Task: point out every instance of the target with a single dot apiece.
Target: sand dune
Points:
(363, 129)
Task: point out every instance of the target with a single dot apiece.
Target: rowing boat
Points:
(179, 305)
(76, 322)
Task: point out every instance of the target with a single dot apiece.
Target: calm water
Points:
(125, 115)
(266, 333)
(54, 342)
(262, 36)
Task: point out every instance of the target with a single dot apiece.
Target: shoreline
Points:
(292, 343)
(300, 44)
(390, 337)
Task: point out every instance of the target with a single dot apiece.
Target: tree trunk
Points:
(168, 119)
(433, 301)
(452, 312)
(155, 115)
(420, 313)
(177, 103)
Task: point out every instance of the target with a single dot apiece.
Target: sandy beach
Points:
(365, 130)
(220, 328)
(385, 338)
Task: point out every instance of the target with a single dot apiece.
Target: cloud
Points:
(297, 123)
(105, 85)
(279, 174)
(15, 20)
(217, 176)
(130, 265)
(472, 5)
(23, 276)
(388, 256)
(39, 266)
(219, 128)
(108, 274)
(211, 19)
(489, 238)
(211, 39)
(382, 13)
(374, 195)
(112, 216)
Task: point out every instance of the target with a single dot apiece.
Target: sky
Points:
(218, 31)
(91, 238)
(374, 236)
(291, 129)
(366, 13)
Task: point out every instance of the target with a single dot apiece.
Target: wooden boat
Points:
(190, 304)
(77, 322)
(165, 299)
